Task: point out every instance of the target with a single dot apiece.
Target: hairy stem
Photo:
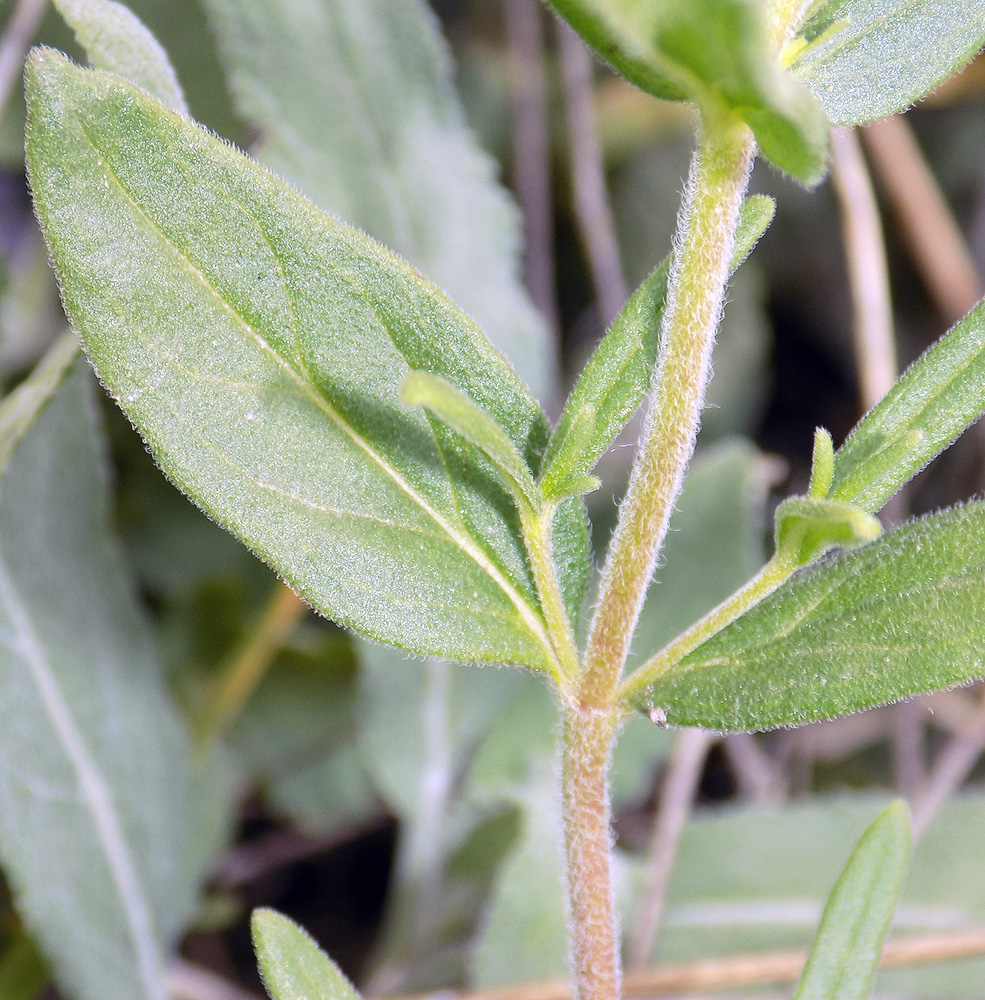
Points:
(706, 234)
(593, 939)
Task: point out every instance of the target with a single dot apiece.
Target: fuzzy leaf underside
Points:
(95, 777)
(715, 53)
(936, 399)
(293, 967)
(844, 958)
(871, 60)
(899, 617)
(258, 345)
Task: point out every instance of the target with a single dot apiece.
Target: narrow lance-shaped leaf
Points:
(368, 125)
(259, 346)
(937, 397)
(293, 967)
(899, 617)
(863, 60)
(115, 39)
(844, 958)
(95, 783)
(617, 376)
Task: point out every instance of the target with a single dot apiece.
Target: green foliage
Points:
(937, 397)
(715, 53)
(263, 387)
(902, 49)
(95, 753)
(844, 958)
(292, 965)
(898, 617)
(323, 400)
(355, 104)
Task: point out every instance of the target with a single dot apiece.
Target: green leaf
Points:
(863, 60)
(938, 396)
(293, 967)
(715, 53)
(808, 527)
(96, 794)
(259, 345)
(478, 428)
(115, 39)
(899, 617)
(844, 958)
(368, 125)
(617, 377)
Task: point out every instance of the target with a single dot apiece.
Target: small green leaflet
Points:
(259, 346)
(899, 617)
(863, 60)
(293, 967)
(938, 396)
(617, 377)
(844, 958)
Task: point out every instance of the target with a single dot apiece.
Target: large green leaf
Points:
(259, 345)
(292, 965)
(863, 60)
(96, 794)
(844, 957)
(716, 53)
(356, 106)
(938, 396)
(899, 617)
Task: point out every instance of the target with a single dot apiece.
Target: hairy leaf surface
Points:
(292, 965)
(844, 957)
(901, 616)
(356, 105)
(863, 60)
(938, 396)
(95, 780)
(259, 345)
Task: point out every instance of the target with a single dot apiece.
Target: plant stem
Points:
(593, 942)
(706, 234)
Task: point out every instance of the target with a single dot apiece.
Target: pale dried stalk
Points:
(736, 971)
(936, 244)
(14, 43)
(531, 152)
(593, 213)
(868, 272)
(677, 792)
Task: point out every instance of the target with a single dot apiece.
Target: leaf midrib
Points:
(93, 790)
(467, 545)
